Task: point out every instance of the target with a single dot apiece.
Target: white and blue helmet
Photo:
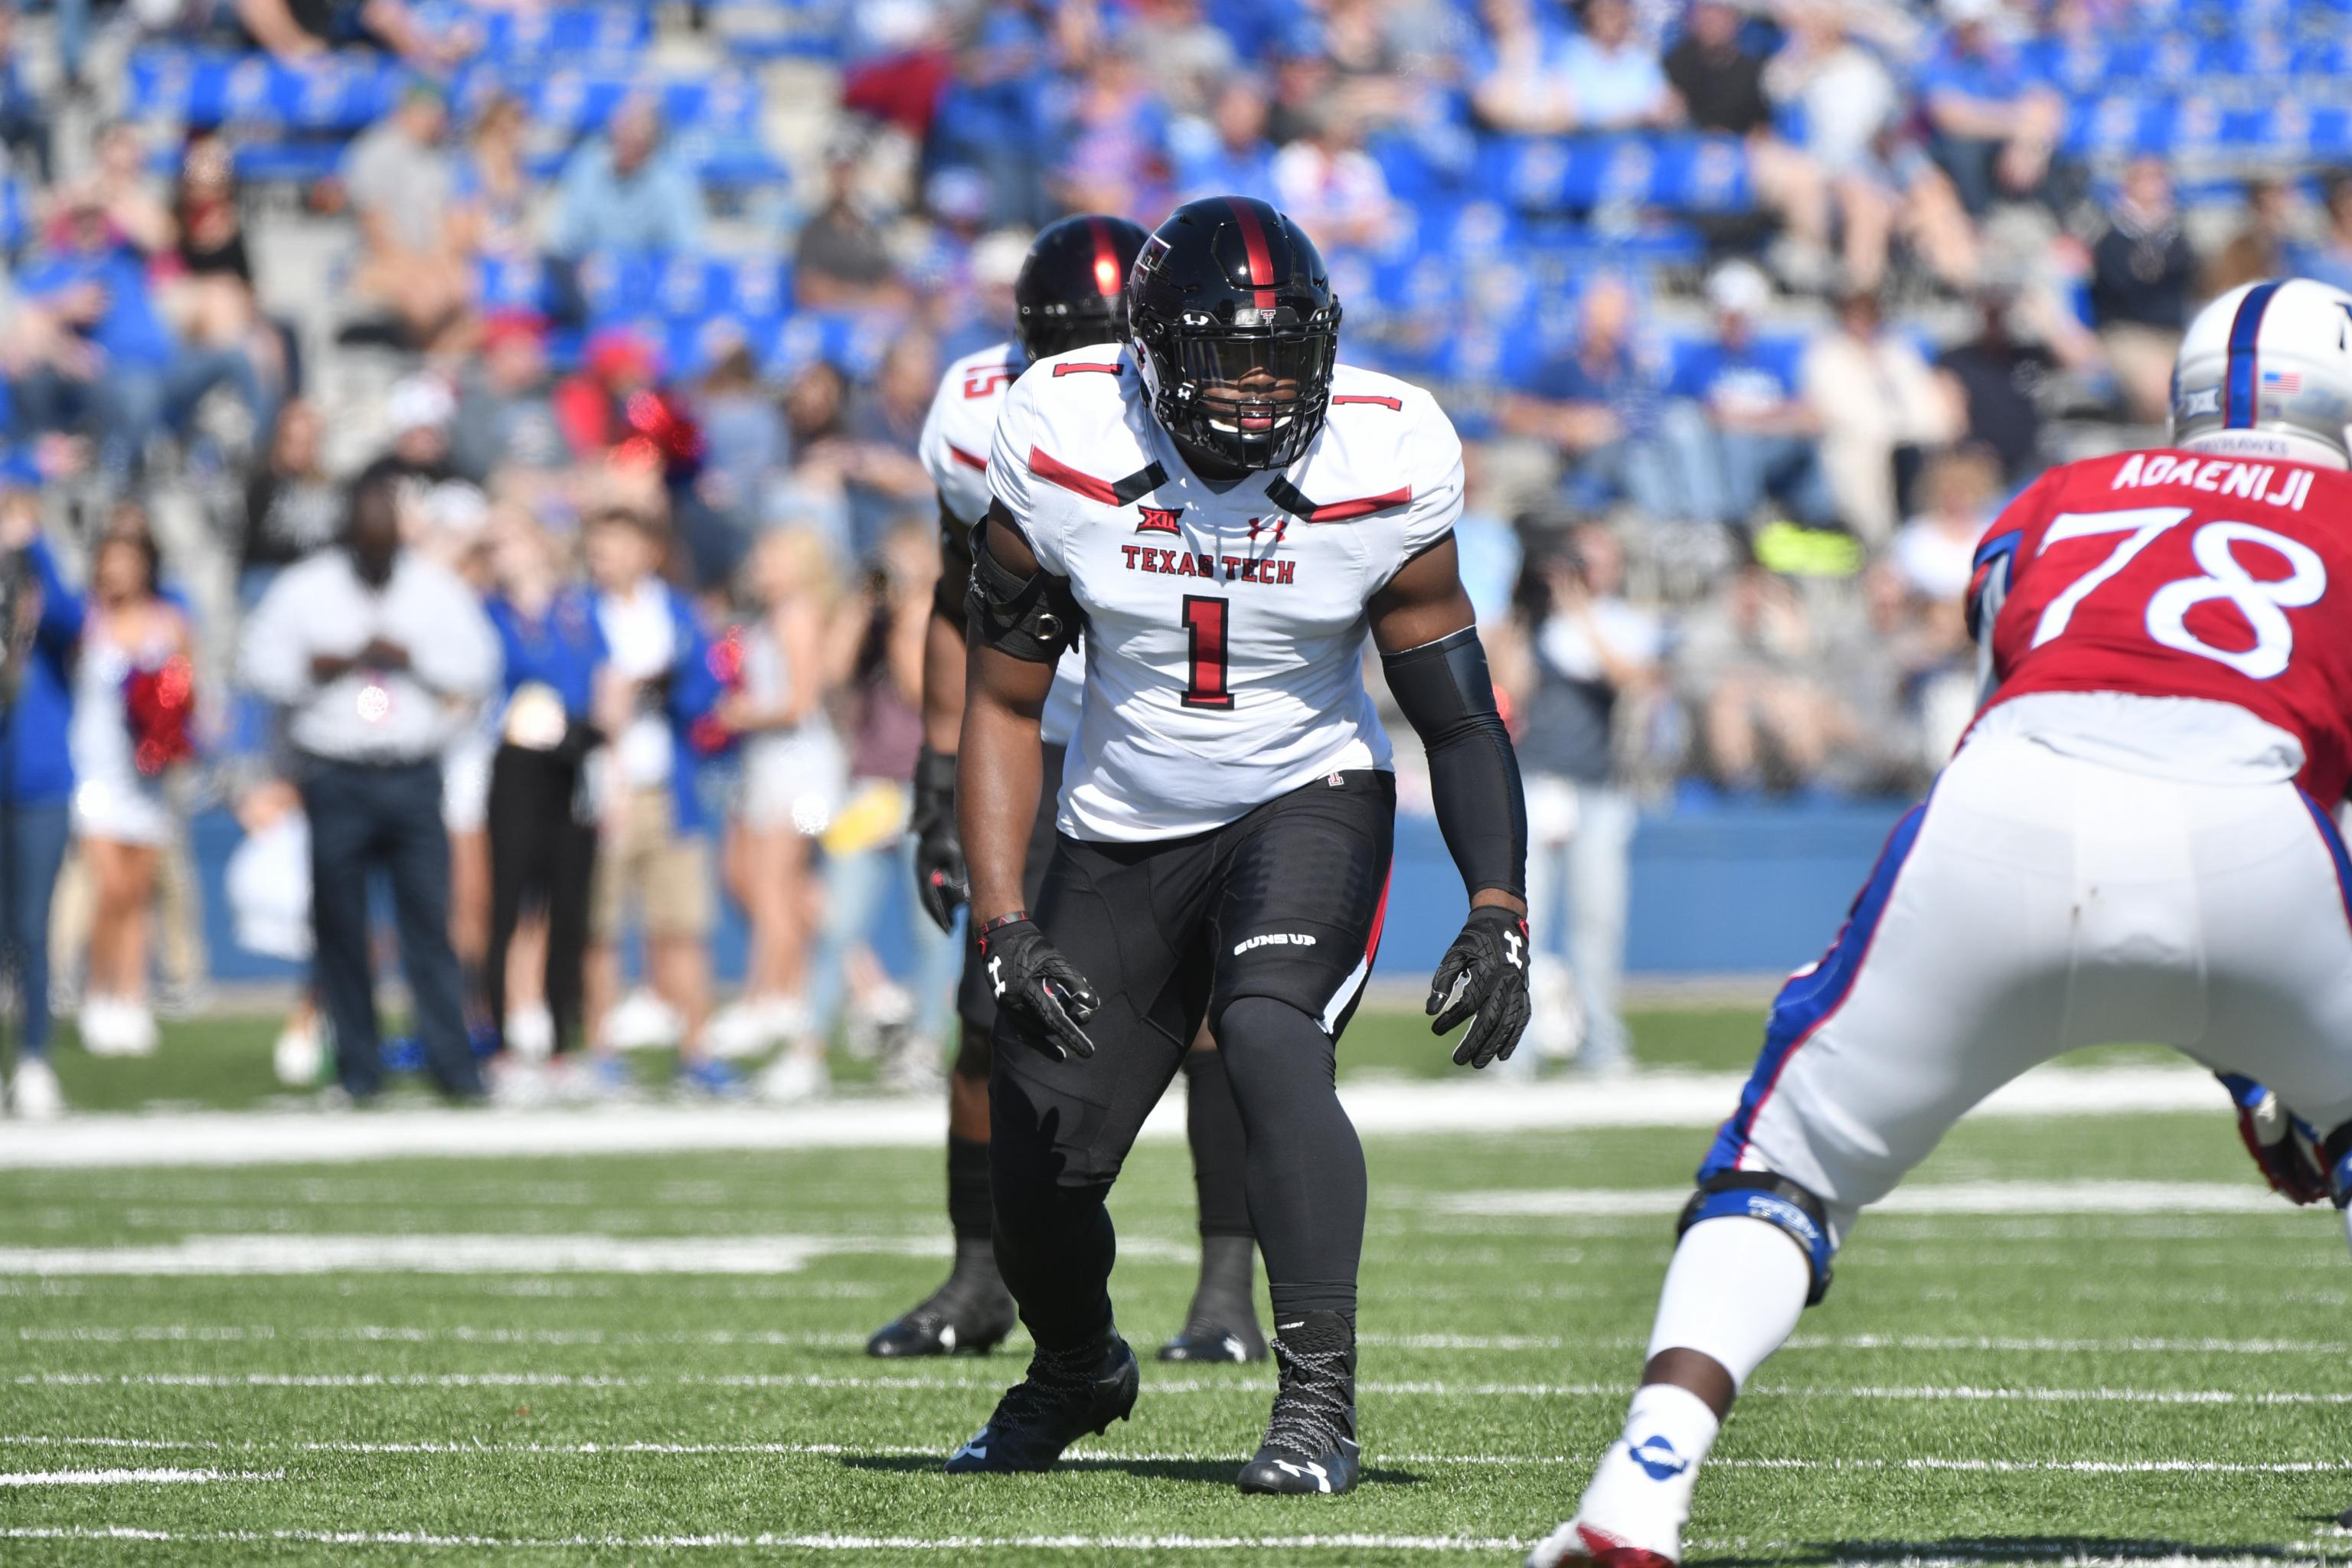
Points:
(2265, 371)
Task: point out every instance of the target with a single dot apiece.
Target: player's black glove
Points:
(942, 883)
(1038, 987)
(1484, 972)
(2285, 1147)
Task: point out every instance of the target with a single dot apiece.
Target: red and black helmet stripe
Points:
(1261, 260)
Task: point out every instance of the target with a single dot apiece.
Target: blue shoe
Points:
(406, 1054)
(713, 1078)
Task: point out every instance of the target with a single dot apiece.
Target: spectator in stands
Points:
(2263, 243)
(869, 849)
(2143, 278)
(120, 184)
(1333, 187)
(592, 403)
(212, 302)
(1934, 552)
(1599, 405)
(885, 425)
(793, 775)
(1189, 55)
(418, 413)
(841, 260)
(656, 859)
(2330, 259)
(627, 192)
(1113, 143)
(1591, 652)
(1855, 130)
(505, 416)
(1305, 79)
(495, 191)
(1613, 77)
(1749, 664)
(36, 788)
(1745, 428)
(413, 258)
(1993, 126)
(2005, 377)
(1874, 396)
(1721, 85)
(24, 119)
(1519, 82)
(107, 361)
(1369, 84)
(298, 30)
(292, 508)
(370, 649)
(131, 636)
(1898, 668)
(743, 435)
(1228, 153)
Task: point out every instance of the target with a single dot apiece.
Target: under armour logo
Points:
(996, 976)
(1322, 1476)
(1272, 528)
(975, 1449)
(1511, 945)
(1657, 1459)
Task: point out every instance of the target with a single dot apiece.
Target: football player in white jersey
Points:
(1071, 292)
(1227, 512)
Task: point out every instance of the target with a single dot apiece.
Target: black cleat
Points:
(1066, 1395)
(1310, 1442)
(1206, 1338)
(967, 1315)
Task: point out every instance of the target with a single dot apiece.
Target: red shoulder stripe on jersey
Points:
(966, 458)
(1053, 471)
(1261, 260)
(1396, 404)
(1062, 369)
(1290, 498)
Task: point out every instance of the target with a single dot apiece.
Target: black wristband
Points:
(1001, 921)
(935, 774)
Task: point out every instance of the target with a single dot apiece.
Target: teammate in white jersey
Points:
(1070, 292)
(1227, 512)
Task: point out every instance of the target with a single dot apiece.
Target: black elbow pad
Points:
(1474, 773)
(1032, 618)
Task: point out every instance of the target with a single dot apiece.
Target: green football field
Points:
(2093, 1339)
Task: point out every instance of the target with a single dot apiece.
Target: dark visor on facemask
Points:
(1253, 387)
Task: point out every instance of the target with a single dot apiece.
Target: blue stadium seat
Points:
(207, 88)
(1676, 173)
(14, 220)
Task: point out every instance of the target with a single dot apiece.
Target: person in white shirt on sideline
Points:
(377, 654)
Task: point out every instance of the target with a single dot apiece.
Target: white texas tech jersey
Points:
(1224, 627)
(957, 436)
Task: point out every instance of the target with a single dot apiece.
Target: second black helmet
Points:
(1071, 290)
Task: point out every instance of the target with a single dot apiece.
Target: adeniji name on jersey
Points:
(1225, 626)
(957, 436)
(2179, 574)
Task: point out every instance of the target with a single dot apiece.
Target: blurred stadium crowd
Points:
(1753, 313)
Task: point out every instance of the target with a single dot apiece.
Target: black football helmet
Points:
(1236, 328)
(1071, 290)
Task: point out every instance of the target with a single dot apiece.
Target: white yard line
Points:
(2089, 1197)
(1101, 1459)
(1156, 1386)
(1465, 1104)
(130, 1478)
(730, 1542)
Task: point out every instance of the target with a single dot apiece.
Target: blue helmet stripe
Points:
(2238, 405)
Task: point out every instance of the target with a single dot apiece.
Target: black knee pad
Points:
(1044, 1121)
(1775, 1200)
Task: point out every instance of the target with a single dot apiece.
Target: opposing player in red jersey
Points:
(2135, 842)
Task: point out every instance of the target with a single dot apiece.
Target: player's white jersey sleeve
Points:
(1225, 624)
(960, 427)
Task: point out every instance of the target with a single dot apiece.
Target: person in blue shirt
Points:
(627, 192)
(1601, 402)
(1739, 423)
(1227, 151)
(118, 371)
(1993, 124)
(36, 786)
(542, 832)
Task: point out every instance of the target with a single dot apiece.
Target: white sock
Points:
(1734, 1292)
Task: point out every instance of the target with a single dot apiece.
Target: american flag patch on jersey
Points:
(2282, 380)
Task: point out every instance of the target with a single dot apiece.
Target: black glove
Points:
(942, 883)
(1040, 987)
(1484, 972)
(2284, 1148)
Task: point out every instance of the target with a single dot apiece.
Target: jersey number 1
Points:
(2263, 601)
(1204, 630)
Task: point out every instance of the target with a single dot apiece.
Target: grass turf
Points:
(1976, 1387)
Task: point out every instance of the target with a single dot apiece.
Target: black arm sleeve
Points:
(1474, 774)
(955, 569)
(1032, 618)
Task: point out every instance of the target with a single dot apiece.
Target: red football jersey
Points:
(2180, 575)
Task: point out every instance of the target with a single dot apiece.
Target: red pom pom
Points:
(158, 704)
